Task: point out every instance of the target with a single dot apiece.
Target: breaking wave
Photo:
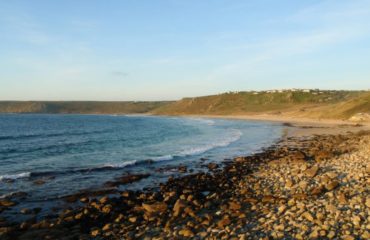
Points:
(15, 176)
(235, 136)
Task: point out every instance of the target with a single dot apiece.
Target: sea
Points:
(46, 157)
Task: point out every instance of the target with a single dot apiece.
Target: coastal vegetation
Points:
(307, 103)
(300, 103)
(83, 107)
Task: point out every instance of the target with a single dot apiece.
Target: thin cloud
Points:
(24, 28)
(311, 39)
(120, 74)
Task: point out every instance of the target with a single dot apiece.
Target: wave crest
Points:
(235, 136)
(121, 165)
(15, 176)
(199, 150)
(207, 121)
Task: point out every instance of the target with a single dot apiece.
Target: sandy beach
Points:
(313, 184)
(303, 126)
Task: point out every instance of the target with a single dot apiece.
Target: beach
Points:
(311, 184)
(169, 119)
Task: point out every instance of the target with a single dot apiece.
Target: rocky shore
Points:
(301, 188)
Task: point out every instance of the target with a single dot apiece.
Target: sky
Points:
(121, 50)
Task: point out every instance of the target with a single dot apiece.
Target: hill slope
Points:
(301, 104)
(317, 104)
(78, 107)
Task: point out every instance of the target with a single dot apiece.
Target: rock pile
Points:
(320, 195)
(314, 188)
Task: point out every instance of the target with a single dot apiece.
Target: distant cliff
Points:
(84, 107)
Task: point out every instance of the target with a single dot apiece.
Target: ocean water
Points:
(74, 152)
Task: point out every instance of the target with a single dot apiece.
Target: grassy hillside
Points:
(313, 104)
(360, 104)
(320, 104)
(78, 107)
(344, 109)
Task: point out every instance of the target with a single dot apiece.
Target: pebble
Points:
(303, 188)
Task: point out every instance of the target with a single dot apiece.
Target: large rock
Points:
(234, 205)
(308, 216)
(212, 166)
(7, 203)
(342, 198)
(126, 179)
(368, 202)
(107, 209)
(178, 207)
(288, 183)
(331, 185)
(317, 190)
(298, 155)
(186, 232)
(323, 155)
(225, 221)
(155, 208)
(311, 172)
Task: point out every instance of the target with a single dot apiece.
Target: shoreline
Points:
(277, 118)
(189, 198)
(298, 122)
(139, 175)
(299, 127)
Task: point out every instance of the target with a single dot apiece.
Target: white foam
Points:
(162, 158)
(198, 150)
(15, 176)
(207, 121)
(11, 194)
(121, 165)
(235, 136)
(6, 195)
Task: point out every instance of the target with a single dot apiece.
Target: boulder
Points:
(39, 182)
(155, 208)
(225, 221)
(7, 203)
(182, 169)
(107, 209)
(95, 232)
(234, 205)
(323, 155)
(308, 216)
(288, 183)
(177, 208)
(133, 219)
(212, 166)
(186, 232)
(342, 198)
(317, 190)
(367, 203)
(311, 172)
(331, 185)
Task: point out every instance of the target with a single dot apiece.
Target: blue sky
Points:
(169, 49)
